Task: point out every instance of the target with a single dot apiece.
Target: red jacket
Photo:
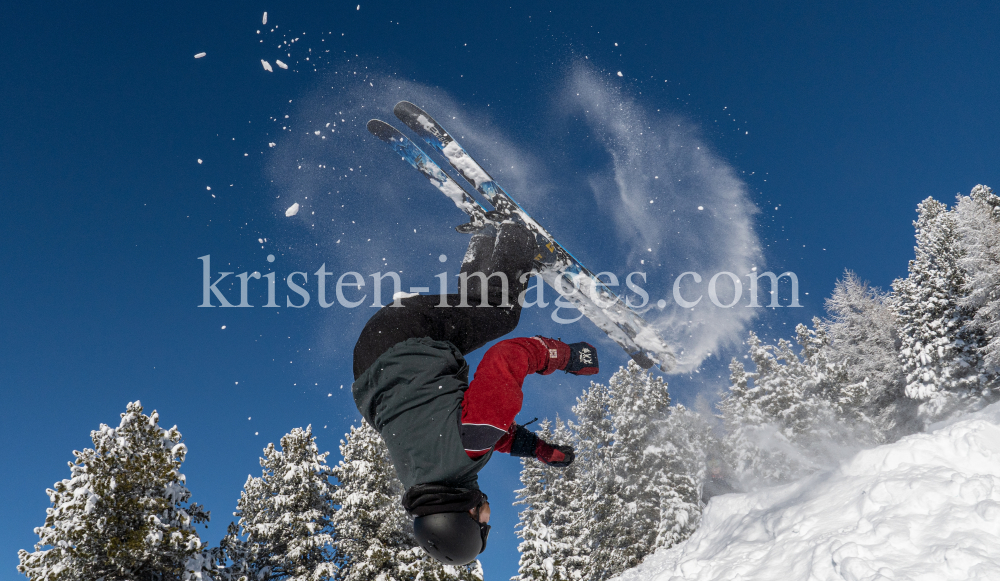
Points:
(494, 396)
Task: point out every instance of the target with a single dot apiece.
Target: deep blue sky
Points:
(851, 113)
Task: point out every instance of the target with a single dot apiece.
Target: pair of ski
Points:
(557, 267)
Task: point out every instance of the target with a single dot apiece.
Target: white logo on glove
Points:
(585, 356)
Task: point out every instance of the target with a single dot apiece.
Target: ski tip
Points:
(665, 362)
(642, 359)
(411, 115)
(407, 109)
(383, 130)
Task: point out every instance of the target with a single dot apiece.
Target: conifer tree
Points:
(374, 533)
(862, 331)
(629, 532)
(286, 516)
(684, 445)
(550, 548)
(592, 437)
(799, 412)
(124, 514)
(831, 383)
(536, 562)
(633, 498)
(940, 356)
(979, 228)
(764, 418)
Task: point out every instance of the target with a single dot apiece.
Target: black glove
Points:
(582, 359)
(524, 442)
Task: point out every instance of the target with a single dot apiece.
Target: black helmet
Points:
(454, 538)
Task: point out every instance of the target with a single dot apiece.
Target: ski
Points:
(433, 172)
(594, 299)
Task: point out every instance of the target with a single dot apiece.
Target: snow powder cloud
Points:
(676, 206)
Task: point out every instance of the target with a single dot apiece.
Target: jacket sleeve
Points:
(494, 396)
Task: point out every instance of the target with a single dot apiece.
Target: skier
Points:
(412, 385)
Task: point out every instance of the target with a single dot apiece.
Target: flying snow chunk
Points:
(261, 240)
(293, 210)
(199, 162)
(620, 74)
(199, 55)
(264, 21)
(267, 66)
(359, 7)
(280, 64)
(402, 295)
(271, 144)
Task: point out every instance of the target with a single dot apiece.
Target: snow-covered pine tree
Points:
(374, 533)
(761, 419)
(569, 552)
(831, 384)
(550, 547)
(978, 217)
(124, 514)
(286, 516)
(939, 354)
(799, 412)
(629, 534)
(536, 562)
(629, 499)
(592, 437)
(862, 335)
(685, 443)
(370, 523)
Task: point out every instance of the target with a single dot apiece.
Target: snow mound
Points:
(924, 508)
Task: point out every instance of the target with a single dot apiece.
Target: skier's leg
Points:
(500, 261)
(480, 251)
(467, 325)
(468, 322)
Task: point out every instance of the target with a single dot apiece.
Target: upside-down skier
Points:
(412, 385)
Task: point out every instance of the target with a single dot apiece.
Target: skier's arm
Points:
(494, 397)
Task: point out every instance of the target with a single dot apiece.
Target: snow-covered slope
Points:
(924, 508)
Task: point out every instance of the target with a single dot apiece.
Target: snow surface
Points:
(924, 508)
